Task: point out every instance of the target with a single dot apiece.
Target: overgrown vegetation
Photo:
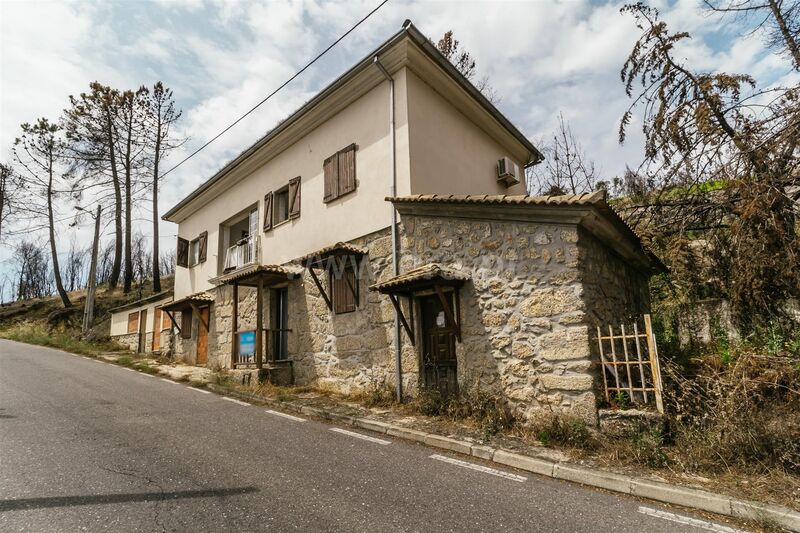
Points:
(487, 410)
(35, 332)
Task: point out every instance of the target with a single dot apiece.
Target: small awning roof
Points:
(421, 278)
(249, 276)
(198, 298)
(319, 259)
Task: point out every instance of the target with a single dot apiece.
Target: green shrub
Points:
(564, 430)
(648, 448)
(472, 402)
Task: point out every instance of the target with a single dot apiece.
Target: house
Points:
(381, 235)
(141, 325)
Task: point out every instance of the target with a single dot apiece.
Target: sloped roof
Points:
(425, 273)
(196, 298)
(340, 248)
(594, 200)
(430, 51)
(144, 301)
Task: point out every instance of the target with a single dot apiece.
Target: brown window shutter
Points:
(347, 170)
(182, 254)
(268, 211)
(331, 171)
(342, 297)
(202, 252)
(294, 197)
(186, 324)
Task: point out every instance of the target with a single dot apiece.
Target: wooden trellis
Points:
(630, 364)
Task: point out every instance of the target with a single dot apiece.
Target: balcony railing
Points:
(244, 252)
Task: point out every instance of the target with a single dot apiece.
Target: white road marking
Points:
(170, 381)
(689, 521)
(360, 436)
(480, 468)
(234, 400)
(128, 369)
(199, 390)
(284, 415)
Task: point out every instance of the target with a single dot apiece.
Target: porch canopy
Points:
(330, 256)
(424, 278)
(259, 277)
(192, 302)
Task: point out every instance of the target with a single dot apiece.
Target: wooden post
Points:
(88, 310)
(259, 322)
(627, 362)
(655, 367)
(235, 325)
(639, 357)
(602, 362)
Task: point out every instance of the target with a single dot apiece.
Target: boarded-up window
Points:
(133, 322)
(166, 322)
(202, 253)
(294, 197)
(340, 173)
(182, 254)
(344, 288)
(186, 324)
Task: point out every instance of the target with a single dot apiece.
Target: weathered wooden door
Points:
(439, 367)
(142, 331)
(156, 329)
(202, 336)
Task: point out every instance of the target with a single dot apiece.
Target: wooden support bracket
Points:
(199, 316)
(321, 289)
(174, 322)
(409, 329)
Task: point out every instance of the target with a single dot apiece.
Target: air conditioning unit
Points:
(507, 172)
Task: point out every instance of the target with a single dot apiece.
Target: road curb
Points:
(594, 477)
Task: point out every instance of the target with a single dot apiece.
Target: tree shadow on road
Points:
(99, 499)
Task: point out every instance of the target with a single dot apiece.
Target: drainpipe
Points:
(395, 261)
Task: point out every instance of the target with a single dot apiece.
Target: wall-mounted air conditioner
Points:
(507, 172)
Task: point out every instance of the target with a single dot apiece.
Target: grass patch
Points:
(37, 333)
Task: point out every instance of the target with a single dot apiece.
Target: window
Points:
(186, 324)
(166, 322)
(133, 322)
(194, 252)
(182, 254)
(281, 207)
(344, 288)
(340, 173)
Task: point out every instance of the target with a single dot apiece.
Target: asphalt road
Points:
(89, 446)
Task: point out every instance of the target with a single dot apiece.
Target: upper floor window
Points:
(282, 205)
(191, 253)
(340, 173)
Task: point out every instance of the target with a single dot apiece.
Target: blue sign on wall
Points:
(247, 343)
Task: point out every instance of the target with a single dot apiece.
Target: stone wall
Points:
(129, 340)
(522, 313)
(345, 352)
(614, 293)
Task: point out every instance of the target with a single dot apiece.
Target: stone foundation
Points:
(129, 340)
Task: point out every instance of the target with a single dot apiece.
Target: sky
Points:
(221, 57)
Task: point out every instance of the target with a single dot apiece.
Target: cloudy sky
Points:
(221, 57)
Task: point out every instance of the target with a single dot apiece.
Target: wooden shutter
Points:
(133, 322)
(186, 324)
(182, 254)
(342, 297)
(268, 211)
(294, 197)
(331, 171)
(203, 247)
(347, 170)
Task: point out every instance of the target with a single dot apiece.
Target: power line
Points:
(284, 84)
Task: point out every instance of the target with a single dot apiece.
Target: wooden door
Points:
(439, 366)
(142, 331)
(202, 336)
(156, 329)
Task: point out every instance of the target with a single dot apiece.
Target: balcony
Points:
(243, 253)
